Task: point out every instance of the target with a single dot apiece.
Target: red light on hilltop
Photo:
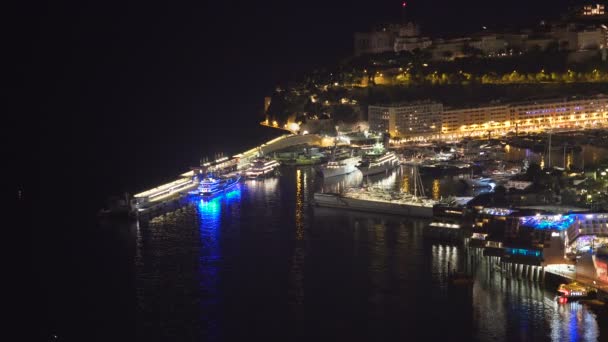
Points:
(404, 4)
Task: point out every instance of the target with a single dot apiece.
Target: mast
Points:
(565, 155)
(415, 180)
(549, 151)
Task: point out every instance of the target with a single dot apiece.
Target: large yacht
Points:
(211, 185)
(262, 167)
(377, 201)
(377, 161)
(341, 162)
(340, 167)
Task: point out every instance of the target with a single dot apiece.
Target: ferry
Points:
(211, 185)
(377, 201)
(340, 167)
(377, 162)
(262, 167)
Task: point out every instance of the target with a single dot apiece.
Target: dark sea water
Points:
(261, 263)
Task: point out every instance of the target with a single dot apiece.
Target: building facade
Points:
(406, 119)
(433, 120)
(472, 118)
(378, 40)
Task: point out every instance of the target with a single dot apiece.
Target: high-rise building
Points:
(406, 119)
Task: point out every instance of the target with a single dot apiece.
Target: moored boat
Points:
(378, 161)
(262, 167)
(575, 290)
(340, 167)
(377, 201)
(212, 185)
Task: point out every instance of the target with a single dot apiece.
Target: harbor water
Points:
(261, 262)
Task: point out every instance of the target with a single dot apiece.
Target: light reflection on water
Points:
(402, 179)
(588, 155)
(261, 262)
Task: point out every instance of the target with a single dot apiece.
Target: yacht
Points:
(377, 201)
(377, 162)
(340, 167)
(212, 185)
(479, 182)
(261, 168)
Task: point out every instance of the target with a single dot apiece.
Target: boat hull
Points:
(328, 173)
(377, 170)
(337, 201)
(222, 188)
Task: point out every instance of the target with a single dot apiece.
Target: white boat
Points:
(480, 182)
(377, 162)
(340, 167)
(387, 203)
(211, 185)
(262, 167)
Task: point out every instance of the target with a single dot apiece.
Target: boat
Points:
(575, 290)
(340, 167)
(379, 200)
(479, 182)
(211, 185)
(262, 167)
(365, 201)
(444, 167)
(377, 161)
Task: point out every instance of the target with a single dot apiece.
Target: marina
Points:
(449, 189)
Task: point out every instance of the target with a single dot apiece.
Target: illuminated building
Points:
(406, 119)
(489, 44)
(448, 48)
(404, 43)
(489, 117)
(409, 39)
(524, 116)
(579, 37)
(429, 120)
(559, 113)
(593, 10)
(377, 41)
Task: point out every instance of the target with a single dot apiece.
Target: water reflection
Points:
(260, 263)
(587, 155)
(300, 189)
(436, 189)
(211, 227)
(402, 179)
(338, 184)
(508, 308)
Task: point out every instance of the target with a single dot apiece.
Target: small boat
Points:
(479, 182)
(211, 185)
(575, 290)
(262, 167)
(377, 162)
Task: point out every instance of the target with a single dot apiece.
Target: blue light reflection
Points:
(210, 217)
